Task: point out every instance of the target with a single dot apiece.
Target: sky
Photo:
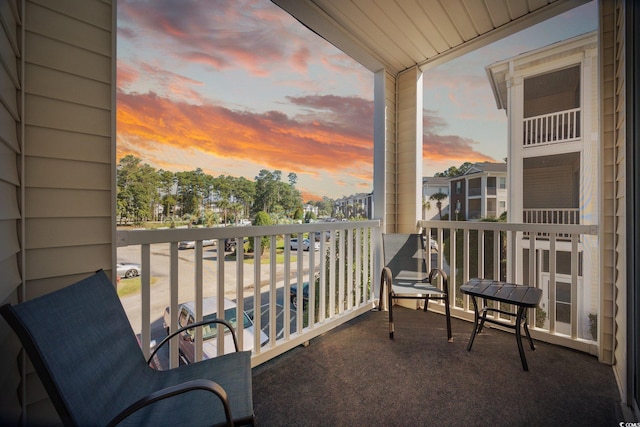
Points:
(236, 86)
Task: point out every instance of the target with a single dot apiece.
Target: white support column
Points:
(515, 88)
(409, 150)
(383, 157)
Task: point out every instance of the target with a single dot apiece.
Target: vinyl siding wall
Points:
(57, 216)
(408, 160)
(612, 222)
(10, 278)
(385, 151)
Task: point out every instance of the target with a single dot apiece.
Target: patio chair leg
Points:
(390, 306)
(447, 311)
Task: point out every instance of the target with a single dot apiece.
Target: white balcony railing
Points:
(551, 216)
(562, 126)
(344, 270)
(565, 268)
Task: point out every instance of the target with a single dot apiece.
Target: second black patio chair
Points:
(88, 358)
(405, 276)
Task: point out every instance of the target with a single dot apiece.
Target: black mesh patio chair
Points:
(405, 276)
(86, 354)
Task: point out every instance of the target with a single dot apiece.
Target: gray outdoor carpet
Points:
(356, 376)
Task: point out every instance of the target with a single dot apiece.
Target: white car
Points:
(306, 245)
(186, 316)
(191, 244)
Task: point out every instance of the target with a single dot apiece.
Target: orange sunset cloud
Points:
(273, 138)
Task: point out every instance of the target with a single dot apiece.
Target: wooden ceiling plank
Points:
(351, 17)
(459, 16)
(517, 8)
(479, 15)
(420, 46)
(444, 24)
(498, 12)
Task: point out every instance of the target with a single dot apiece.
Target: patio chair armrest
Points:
(175, 390)
(386, 278)
(191, 326)
(434, 273)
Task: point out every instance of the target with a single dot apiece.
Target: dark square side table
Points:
(521, 296)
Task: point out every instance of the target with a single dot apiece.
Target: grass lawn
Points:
(131, 286)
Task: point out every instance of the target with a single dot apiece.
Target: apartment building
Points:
(355, 205)
(481, 192)
(433, 185)
(551, 99)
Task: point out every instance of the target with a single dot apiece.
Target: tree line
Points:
(148, 194)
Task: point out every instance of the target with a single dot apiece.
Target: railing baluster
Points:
(311, 305)
(323, 278)
(173, 301)
(198, 297)
(550, 128)
(145, 297)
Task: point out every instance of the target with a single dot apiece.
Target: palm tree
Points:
(439, 197)
(426, 206)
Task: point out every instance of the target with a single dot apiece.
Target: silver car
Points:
(191, 244)
(186, 316)
(128, 270)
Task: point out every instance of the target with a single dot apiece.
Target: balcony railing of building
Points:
(567, 315)
(345, 274)
(551, 216)
(475, 191)
(340, 275)
(561, 126)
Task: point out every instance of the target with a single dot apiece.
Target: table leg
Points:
(519, 337)
(526, 331)
(476, 319)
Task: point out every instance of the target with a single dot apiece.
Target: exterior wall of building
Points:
(10, 215)
(613, 233)
(441, 185)
(58, 216)
(458, 198)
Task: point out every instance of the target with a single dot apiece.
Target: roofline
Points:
(317, 20)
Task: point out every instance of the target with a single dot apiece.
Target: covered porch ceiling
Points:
(397, 35)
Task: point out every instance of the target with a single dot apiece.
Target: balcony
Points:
(355, 375)
(332, 363)
(562, 126)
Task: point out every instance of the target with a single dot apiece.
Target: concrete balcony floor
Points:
(356, 376)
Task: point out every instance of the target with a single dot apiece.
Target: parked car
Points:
(127, 270)
(293, 295)
(186, 316)
(155, 361)
(230, 244)
(191, 244)
(306, 244)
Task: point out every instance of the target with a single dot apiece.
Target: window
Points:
(503, 183)
(503, 204)
(459, 187)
